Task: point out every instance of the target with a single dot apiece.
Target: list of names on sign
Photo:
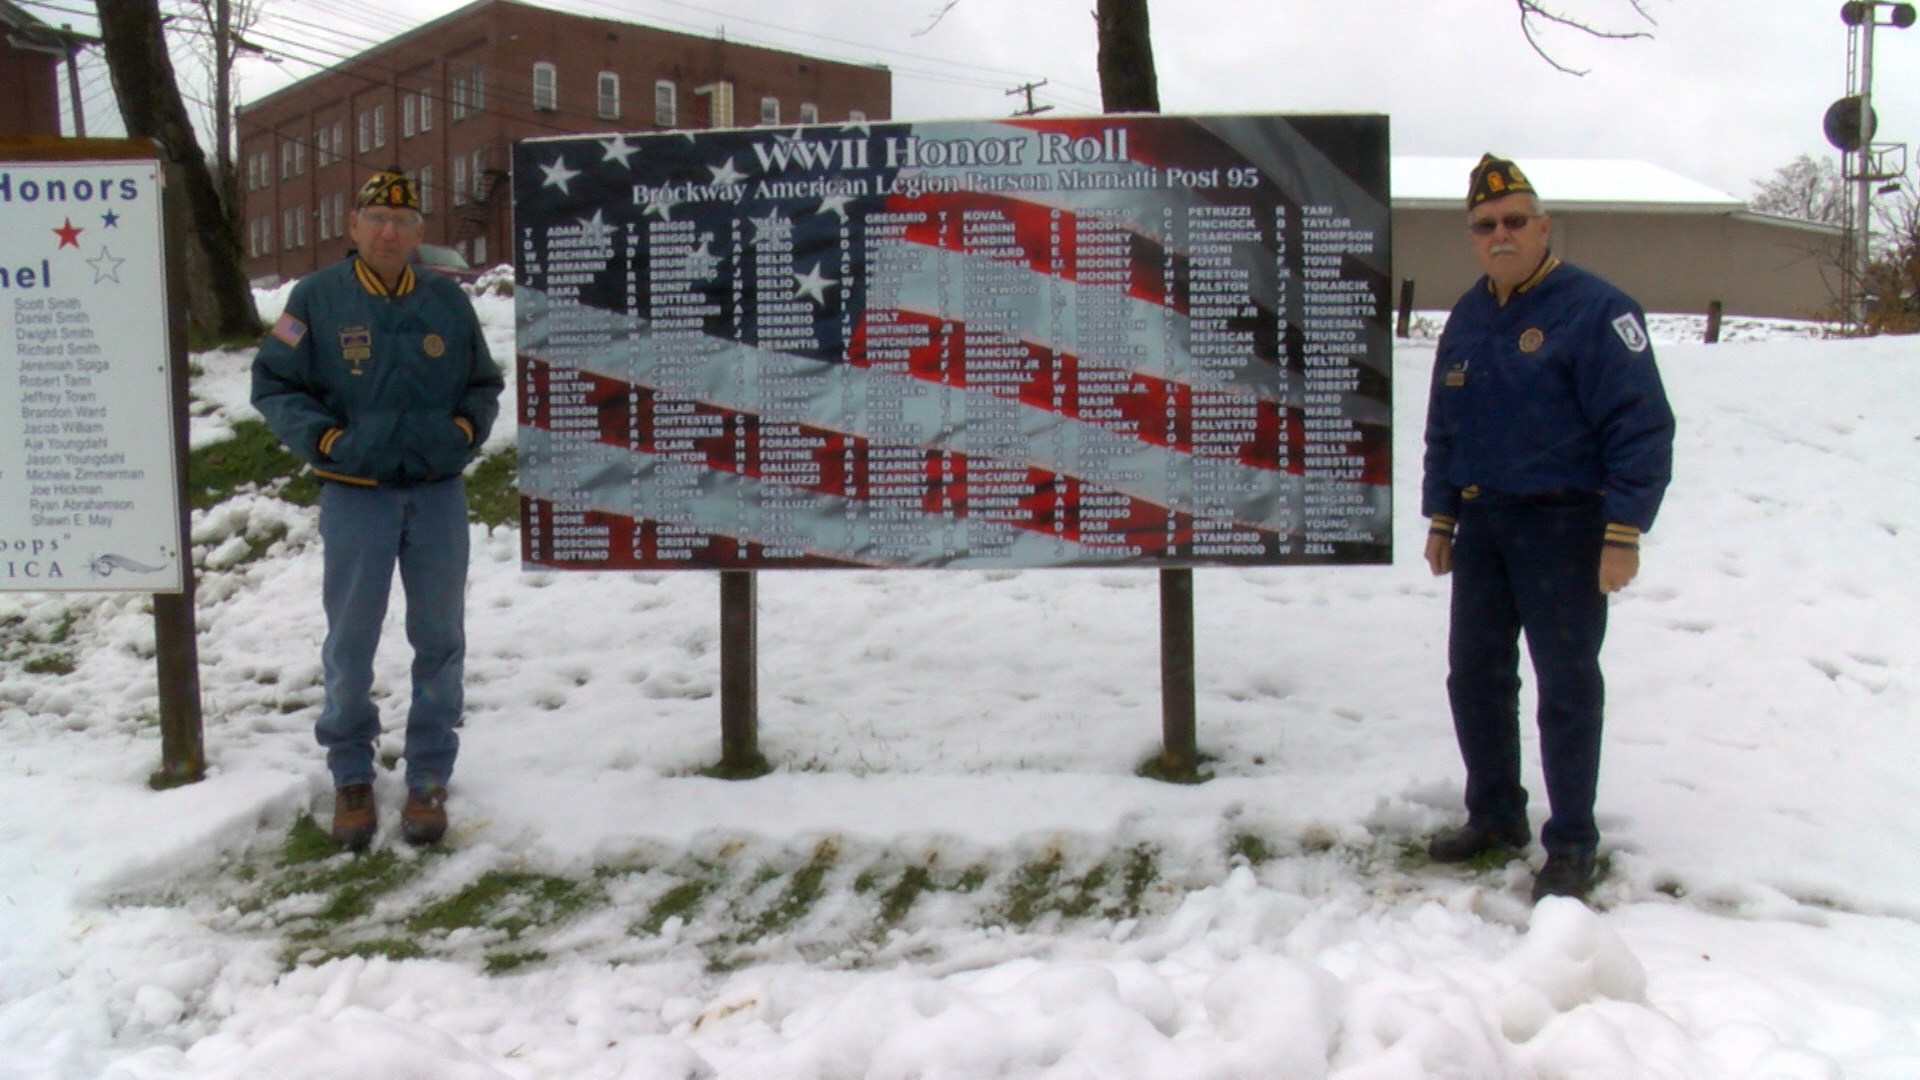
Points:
(1094, 342)
(88, 495)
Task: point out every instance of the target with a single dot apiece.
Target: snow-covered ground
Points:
(955, 872)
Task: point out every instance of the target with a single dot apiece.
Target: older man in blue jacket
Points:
(1549, 447)
(381, 381)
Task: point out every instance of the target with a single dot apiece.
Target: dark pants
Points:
(1529, 566)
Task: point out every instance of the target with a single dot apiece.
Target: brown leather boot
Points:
(424, 819)
(354, 816)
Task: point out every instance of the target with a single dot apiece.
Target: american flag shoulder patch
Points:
(289, 329)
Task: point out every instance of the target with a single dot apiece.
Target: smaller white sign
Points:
(88, 490)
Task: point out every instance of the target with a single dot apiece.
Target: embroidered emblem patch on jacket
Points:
(433, 346)
(1532, 339)
(289, 330)
(1632, 334)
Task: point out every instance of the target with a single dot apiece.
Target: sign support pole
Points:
(740, 757)
(176, 653)
(1179, 753)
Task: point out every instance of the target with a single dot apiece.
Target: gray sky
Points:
(1723, 92)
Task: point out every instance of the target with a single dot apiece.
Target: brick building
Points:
(447, 100)
(30, 56)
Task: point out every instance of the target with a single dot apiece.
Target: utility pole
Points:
(1028, 89)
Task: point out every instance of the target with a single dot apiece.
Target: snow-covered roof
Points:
(1582, 183)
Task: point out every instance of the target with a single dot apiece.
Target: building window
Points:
(426, 190)
(286, 230)
(426, 111)
(339, 141)
(379, 125)
(479, 250)
(320, 147)
(286, 160)
(855, 116)
(479, 175)
(362, 133)
(769, 110)
(458, 189)
(324, 208)
(479, 92)
(546, 87)
(665, 111)
(809, 113)
(609, 95)
(406, 116)
(458, 107)
(300, 158)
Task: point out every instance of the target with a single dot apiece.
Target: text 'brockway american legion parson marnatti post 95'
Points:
(1122, 340)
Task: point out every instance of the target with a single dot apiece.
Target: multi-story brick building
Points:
(447, 100)
(30, 55)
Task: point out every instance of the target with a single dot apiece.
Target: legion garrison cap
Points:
(388, 188)
(1495, 177)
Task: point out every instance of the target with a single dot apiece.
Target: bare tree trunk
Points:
(150, 105)
(1127, 79)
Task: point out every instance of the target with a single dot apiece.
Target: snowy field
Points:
(955, 873)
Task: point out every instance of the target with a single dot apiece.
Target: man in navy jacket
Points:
(1549, 447)
(381, 381)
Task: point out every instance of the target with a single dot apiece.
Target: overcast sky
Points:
(1722, 92)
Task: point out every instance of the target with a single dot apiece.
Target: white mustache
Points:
(1504, 249)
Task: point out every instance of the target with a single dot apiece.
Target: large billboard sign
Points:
(1121, 340)
(89, 499)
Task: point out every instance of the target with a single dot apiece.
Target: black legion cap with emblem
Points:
(388, 187)
(1494, 177)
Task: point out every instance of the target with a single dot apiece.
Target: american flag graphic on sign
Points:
(1078, 342)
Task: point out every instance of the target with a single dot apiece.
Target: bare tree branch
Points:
(937, 16)
(1532, 12)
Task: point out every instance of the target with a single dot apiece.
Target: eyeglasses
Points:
(1513, 222)
(378, 220)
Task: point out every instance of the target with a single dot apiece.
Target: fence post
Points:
(1713, 322)
(1404, 328)
(1179, 759)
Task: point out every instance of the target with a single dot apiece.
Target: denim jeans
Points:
(364, 533)
(1532, 567)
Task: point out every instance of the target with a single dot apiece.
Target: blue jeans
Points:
(1532, 567)
(364, 532)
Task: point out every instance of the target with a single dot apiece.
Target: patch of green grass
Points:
(493, 494)
(203, 340)
(1033, 885)
(55, 662)
(683, 900)
(898, 900)
(801, 893)
(502, 962)
(1250, 847)
(1140, 874)
(392, 948)
(253, 456)
(510, 900)
(306, 842)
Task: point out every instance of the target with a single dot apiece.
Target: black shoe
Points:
(1471, 841)
(1564, 875)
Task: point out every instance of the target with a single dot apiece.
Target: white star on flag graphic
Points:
(558, 174)
(813, 284)
(725, 174)
(772, 225)
(618, 150)
(835, 204)
(595, 228)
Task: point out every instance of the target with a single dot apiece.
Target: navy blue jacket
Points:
(371, 386)
(1556, 391)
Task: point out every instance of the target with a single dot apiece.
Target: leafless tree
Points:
(1807, 188)
(151, 107)
(1535, 14)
